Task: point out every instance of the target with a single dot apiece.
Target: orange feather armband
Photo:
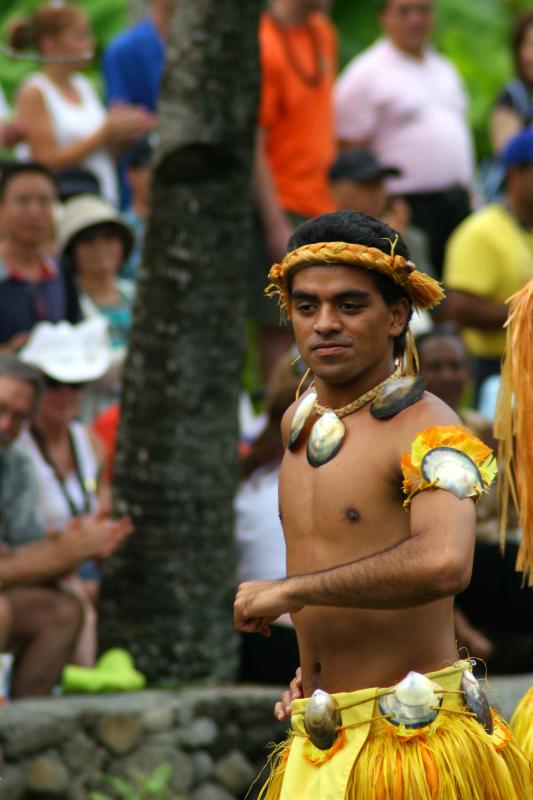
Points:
(447, 457)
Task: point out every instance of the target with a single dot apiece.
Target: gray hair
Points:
(12, 366)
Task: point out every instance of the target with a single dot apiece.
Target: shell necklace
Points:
(328, 432)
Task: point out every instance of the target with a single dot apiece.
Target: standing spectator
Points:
(513, 109)
(133, 61)
(295, 143)
(490, 257)
(407, 103)
(31, 285)
(133, 66)
(358, 181)
(65, 123)
(44, 621)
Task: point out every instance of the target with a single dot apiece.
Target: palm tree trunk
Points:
(167, 594)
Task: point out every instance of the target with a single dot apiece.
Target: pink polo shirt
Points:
(411, 113)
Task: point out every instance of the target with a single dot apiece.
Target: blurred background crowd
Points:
(390, 134)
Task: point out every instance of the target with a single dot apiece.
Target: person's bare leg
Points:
(5, 623)
(45, 625)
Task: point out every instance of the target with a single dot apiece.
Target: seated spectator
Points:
(31, 286)
(66, 457)
(44, 620)
(94, 242)
(64, 120)
(496, 625)
(258, 531)
(489, 257)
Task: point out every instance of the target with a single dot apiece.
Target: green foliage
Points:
(107, 17)
(473, 34)
(139, 787)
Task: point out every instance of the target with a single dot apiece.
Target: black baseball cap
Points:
(359, 164)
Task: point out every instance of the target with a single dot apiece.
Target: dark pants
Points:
(498, 604)
(438, 213)
(273, 660)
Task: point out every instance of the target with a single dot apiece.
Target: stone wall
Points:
(213, 739)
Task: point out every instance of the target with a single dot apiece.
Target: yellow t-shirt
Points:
(489, 255)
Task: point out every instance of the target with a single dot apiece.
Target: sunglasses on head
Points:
(51, 383)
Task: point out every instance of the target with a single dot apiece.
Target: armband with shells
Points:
(447, 457)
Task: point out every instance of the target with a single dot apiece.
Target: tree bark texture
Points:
(167, 595)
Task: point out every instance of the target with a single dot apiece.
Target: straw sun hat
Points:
(69, 353)
(86, 211)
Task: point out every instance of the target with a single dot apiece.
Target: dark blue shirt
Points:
(132, 66)
(23, 303)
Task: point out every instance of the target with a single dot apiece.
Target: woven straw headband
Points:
(423, 291)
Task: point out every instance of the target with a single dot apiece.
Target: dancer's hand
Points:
(283, 707)
(259, 603)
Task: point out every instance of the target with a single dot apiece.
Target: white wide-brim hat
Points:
(70, 353)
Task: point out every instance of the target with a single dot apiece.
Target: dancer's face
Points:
(342, 326)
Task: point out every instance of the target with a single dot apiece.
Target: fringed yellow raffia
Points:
(513, 426)
(456, 437)
(452, 758)
(423, 291)
(522, 724)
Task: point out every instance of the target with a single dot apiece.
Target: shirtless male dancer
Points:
(370, 584)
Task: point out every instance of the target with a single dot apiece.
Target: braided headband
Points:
(422, 290)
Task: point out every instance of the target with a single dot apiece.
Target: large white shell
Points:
(304, 408)
(322, 719)
(325, 439)
(414, 702)
(452, 470)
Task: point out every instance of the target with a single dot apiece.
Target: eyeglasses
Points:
(18, 418)
(52, 383)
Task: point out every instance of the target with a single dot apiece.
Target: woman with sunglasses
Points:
(66, 455)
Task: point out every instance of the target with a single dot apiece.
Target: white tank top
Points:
(54, 509)
(74, 121)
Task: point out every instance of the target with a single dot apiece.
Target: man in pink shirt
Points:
(407, 104)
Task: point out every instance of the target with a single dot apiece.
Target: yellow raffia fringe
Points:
(277, 761)
(455, 436)
(522, 724)
(513, 426)
(450, 759)
(423, 291)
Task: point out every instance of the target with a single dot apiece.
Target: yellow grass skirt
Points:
(452, 758)
(522, 724)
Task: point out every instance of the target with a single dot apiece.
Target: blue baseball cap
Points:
(519, 150)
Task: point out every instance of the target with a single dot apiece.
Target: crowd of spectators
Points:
(388, 136)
